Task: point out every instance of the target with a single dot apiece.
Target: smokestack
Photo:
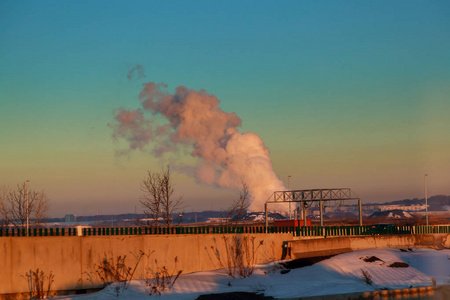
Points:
(194, 119)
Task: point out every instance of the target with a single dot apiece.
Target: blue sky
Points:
(343, 93)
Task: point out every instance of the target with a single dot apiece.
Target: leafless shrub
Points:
(240, 250)
(240, 257)
(161, 279)
(366, 277)
(116, 270)
(39, 284)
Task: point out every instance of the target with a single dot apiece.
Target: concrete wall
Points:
(72, 260)
(336, 245)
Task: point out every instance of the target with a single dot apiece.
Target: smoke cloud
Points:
(193, 120)
(136, 69)
(132, 126)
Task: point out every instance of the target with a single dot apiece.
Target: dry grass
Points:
(240, 255)
(111, 270)
(161, 279)
(39, 284)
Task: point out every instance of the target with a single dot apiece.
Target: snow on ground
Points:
(399, 215)
(337, 275)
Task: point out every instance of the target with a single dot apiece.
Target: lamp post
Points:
(426, 199)
(289, 177)
(28, 224)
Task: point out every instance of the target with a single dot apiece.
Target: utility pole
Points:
(266, 220)
(289, 177)
(426, 199)
(28, 214)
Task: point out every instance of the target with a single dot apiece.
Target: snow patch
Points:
(336, 275)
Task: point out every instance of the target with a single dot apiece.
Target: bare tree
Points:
(169, 204)
(19, 208)
(151, 199)
(40, 209)
(17, 204)
(4, 214)
(157, 200)
(239, 207)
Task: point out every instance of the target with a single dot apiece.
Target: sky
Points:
(348, 94)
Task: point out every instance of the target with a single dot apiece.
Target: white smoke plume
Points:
(226, 156)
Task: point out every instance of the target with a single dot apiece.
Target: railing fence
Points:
(308, 231)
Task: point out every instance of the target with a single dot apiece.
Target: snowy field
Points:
(337, 275)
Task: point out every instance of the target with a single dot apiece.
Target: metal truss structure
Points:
(312, 195)
(305, 198)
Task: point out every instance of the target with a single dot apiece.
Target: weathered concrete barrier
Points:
(302, 248)
(73, 260)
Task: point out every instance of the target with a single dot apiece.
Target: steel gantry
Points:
(305, 198)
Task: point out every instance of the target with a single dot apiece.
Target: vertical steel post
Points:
(265, 216)
(28, 214)
(360, 212)
(426, 199)
(321, 212)
(290, 217)
(304, 213)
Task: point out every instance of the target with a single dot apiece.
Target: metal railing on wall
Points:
(305, 231)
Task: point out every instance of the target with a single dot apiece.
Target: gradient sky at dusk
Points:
(343, 93)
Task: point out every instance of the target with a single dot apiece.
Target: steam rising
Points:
(193, 120)
(137, 69)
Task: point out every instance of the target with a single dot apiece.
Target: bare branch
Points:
(4, 213)
(18, 208)
(157, 200)
(239, 207)
(151, 199)
(169, 205)
(41, 207)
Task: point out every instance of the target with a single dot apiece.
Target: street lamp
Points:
(28, 224)
(289, 177)
(426, 199)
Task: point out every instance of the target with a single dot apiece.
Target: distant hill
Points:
(260, 216)
(201, 216)
(187, 217)
(392, 214)
(340, 215)
(102, 218)
(436, 203)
